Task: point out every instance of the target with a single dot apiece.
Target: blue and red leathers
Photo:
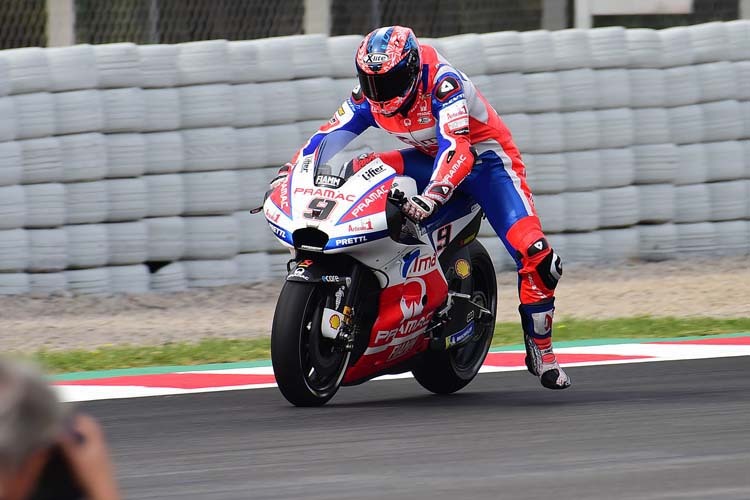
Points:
(447, 122)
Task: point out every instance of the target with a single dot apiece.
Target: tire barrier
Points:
(128, 168)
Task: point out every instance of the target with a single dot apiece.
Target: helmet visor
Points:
(384, 87)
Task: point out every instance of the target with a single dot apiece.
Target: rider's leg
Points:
(498, 183)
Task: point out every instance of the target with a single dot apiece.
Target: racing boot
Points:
(536, 321)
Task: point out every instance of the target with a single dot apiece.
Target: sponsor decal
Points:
(300, 273)
(305, 263)
(408, 259)
(324, 193)
(358, 97)
(272, 215)
(424, 264)
(279, 232)
(446, 88)
(404, 329)
(350, 240)
(328, 181)
(332, 278)
(413, 298)
(459, 163)
(461, 336)
(403, 348)
(306, 165)
(542, 322)
(340, 111)
(454, 111)
(375, 58)
(457, 124)
(335, 321)
(370, 203)
(365, 225)
(463, 268)
(372, 172)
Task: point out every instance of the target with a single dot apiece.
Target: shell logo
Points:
(463, 268)
(334, 321)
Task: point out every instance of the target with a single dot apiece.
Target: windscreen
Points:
(331, 161)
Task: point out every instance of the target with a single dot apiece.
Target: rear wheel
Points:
(445, 372)
(307, 366)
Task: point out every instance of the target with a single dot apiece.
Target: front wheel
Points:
(307, 366)
(445, 372)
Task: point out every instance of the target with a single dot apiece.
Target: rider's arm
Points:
(353, 116)
(455, 156)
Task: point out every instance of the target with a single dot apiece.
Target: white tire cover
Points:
(551, 210)
(617, 167)
(78, 111)
(580, 130)
(12, 207)
(127, 199)
(722, 121)
(656, 203)
(619, 207)
(45, 205)
(209, 193)
(243, 60)
(571, 48)
(546, 173)
(686, 124)
(506, 92)
(124, 110)
(538, 51)
(727, 161)
(14, 250)
(162, 109)
(693, 164)
(742, 70)
(578, 89)
(732, 237)
(170, 278)
(118, 65)
(616, 128)
(252, 150)
(88, 281)
(14, 283)
(341, 50)
(11, 163)
(46, 284)
(728, 200)
(612, 88)
(676, 44)
(582, 210)
(48, 250)
(501, 260)
(203, 62)
(281, 102)
(211, 273)
(41, 160)
(461, 50)
(206, 105)
(651, 126)
(692, 203)
(681, 86)
(72, 68)
(270, 52)
(166, 238)
(254, 233)
(657, 242)
(583, 170)
(709, 42)
(316, 99)
(86, 202)
(520, 126)
(644, 48)
(164, 152)
(542, 92)
(127, 242)
(211, 237)
(84, 157)
(247, 105)
(739, 38)
(547, 132)
(34, 116)
(619, 245)
(696, 239)
(158, 65)
(310, 55)
(647, 88)
(252, 267)
(126, 155)
(28, 70)
(608, 46)
(655, 163)
(209, 149)
(165, 195)
(717, 81)
(583, 248)
(282, 142)
(253, 184)
(129, 279)
(503, 51)
(87, 245)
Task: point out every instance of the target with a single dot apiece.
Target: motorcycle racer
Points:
(458, 141)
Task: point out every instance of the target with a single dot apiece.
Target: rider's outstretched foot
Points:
(543, 364)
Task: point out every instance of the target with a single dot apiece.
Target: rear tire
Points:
(445, 372)
(308, 369)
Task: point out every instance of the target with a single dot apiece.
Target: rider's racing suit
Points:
(447, 118)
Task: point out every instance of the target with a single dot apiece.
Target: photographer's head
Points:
(31, 418)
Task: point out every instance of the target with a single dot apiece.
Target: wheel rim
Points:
(323, 367)
(468, 358)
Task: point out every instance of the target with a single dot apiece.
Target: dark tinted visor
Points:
(394, 83)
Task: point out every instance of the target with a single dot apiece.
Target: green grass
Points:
(224, 351)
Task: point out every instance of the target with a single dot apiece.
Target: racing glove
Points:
(420, 207)
(280, 176)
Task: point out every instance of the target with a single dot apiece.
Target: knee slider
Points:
(549, 265)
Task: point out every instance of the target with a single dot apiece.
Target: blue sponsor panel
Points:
(351, 240)
(281, 233)
(461, 336)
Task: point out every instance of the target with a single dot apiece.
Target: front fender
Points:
(318, 268)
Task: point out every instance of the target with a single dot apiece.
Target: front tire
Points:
(307, 367)
(445, 372)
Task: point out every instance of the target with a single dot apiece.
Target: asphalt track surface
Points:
(666, 430)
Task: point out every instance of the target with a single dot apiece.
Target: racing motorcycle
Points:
(369, 292)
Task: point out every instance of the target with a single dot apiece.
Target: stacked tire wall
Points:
(127, 169)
